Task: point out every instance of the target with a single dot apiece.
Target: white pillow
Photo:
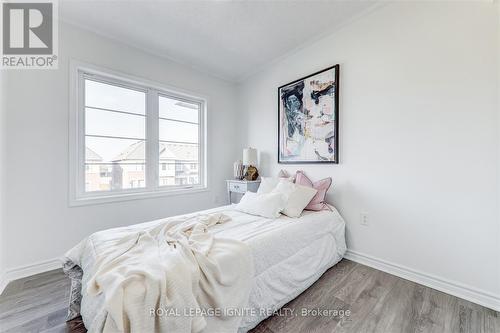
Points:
(297, 197)
(267, 184)
(267, 205)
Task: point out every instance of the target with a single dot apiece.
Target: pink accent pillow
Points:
(318, 201)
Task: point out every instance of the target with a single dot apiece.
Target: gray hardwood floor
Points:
(366, 300)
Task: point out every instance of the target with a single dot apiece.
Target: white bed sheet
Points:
(289, 254)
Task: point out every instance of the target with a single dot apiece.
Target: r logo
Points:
(27, 28)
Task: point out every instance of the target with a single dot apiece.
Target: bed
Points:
(289, 255)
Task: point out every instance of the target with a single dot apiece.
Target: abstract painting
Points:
(308, 126)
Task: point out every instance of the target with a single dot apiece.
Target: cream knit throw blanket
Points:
(160, 279)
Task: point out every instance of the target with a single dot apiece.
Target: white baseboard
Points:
(25, 271)
(468, 293)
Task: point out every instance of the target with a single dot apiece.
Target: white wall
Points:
(40, 225)
(418, 135)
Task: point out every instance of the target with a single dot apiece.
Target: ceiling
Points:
(228, 39)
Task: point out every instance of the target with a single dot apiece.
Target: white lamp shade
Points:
(250, 156)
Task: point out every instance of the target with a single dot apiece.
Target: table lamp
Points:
(250, 161)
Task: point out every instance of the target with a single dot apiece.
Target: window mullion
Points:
(152, 144)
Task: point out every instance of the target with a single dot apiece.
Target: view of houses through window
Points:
(179, 142)
(115, 139)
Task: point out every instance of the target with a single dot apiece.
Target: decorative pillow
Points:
(322, 186)
(267, 184)
(284, 174)
(297, 197)
(267, 205)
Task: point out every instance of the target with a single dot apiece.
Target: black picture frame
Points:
(335, 125)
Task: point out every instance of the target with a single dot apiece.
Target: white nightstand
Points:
(241, 186)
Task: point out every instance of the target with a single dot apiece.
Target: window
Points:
(134, 139)
(179, 130)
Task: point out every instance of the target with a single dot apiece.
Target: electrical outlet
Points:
(363, 219)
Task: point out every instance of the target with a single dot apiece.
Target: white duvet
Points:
(289, 254)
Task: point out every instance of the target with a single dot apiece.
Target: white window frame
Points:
(77, 194)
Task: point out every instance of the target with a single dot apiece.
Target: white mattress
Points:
(289, 255)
